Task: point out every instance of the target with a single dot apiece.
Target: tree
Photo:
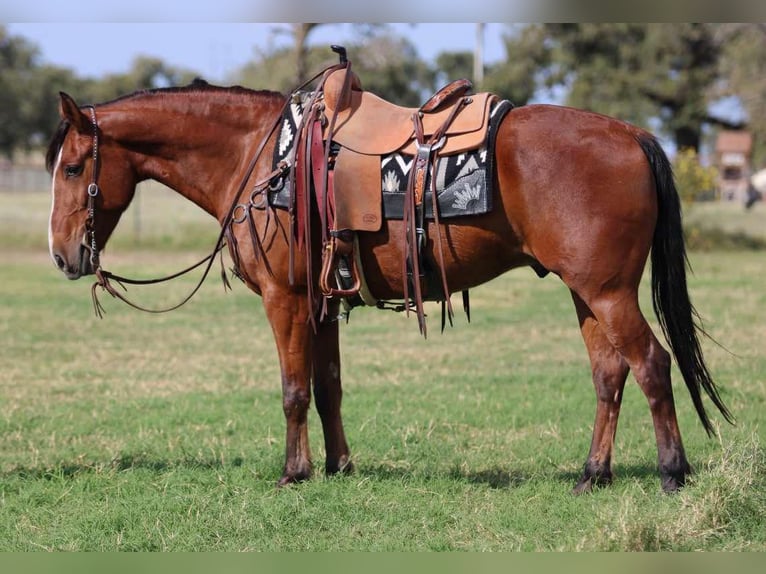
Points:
(520, 74)
(18, 58)
(641, 71)
(454, 65)
(40, 106)
(743, 67)
(390, 67)
(29, 90)
(386, 65)
(513, 78)
(145, 73)
(300, 47)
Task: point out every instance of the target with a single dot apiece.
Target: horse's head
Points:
(93, 183)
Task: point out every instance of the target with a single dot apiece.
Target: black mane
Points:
(198, 85)
(56, 142)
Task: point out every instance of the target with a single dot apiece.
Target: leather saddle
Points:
(368, 127)
(347, 132)
(368, 124)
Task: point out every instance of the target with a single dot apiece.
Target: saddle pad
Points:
(463, 181)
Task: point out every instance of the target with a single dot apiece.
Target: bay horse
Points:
(578, 194)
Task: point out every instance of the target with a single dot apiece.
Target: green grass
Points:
(158, 218)
(725, 226)
(141, 432)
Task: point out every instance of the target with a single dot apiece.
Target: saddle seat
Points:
(370, 125)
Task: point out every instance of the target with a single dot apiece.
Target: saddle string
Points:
(300, 216)
(329, 241)
(447, 301)
(414, 214)
(303, 173)
(296, 226)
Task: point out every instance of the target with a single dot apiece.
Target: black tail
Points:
(670, 296)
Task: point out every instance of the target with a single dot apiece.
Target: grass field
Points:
(141, 432)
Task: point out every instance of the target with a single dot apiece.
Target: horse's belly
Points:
(473, 251)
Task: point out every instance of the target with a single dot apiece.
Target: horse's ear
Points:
(70, 111)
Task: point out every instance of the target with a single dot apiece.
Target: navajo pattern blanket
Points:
(463, 181)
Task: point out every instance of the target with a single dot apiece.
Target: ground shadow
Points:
(121, 463)
(634, 470)
(493, 477)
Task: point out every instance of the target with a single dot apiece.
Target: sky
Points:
(216, 50)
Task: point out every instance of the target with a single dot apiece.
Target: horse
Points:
(581, 195)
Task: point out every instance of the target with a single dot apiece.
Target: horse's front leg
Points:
(328, 392)
(288, 315)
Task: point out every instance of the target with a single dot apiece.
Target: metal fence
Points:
(23, 178)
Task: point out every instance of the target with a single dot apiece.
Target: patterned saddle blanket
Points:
(464, 181)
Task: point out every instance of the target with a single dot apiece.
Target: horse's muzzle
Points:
(76, 269)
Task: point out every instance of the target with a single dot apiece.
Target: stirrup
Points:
(327, 276)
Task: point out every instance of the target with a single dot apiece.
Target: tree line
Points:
(671, 78)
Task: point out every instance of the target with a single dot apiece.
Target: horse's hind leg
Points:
(609, 371)
(627, 330)
(327, 392)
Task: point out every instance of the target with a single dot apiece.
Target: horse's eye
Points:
(72, 170)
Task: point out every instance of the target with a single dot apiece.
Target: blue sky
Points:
(218, 49)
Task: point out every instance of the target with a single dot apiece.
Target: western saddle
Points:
(343, 134)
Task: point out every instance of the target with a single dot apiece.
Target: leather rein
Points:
(104, 277)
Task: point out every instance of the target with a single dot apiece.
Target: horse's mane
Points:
(55, 145)
(197, 86)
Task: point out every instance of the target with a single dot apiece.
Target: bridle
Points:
(93, 191)
(103, 276)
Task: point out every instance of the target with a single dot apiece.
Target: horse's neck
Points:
(201, 151)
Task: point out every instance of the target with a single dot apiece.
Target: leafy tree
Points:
(743, 66)
(641, 71)
(29, 90)
(274, 69)
(18, 58)
(515, 77)
(386, 65)
(390, 67)
(518, 76)
(145, 73)
(692, 178)
(454, 65)
(40, 105)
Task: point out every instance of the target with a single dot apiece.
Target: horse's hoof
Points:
(674, 478)
(288, 480)
(342, 466)
(592, 479)
(584, 486)
(293, 478)
(672, 484)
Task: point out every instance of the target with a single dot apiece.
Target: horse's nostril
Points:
(59, 261)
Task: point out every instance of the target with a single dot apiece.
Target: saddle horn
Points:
(341, 51)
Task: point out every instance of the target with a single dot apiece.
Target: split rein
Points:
(104, 277)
